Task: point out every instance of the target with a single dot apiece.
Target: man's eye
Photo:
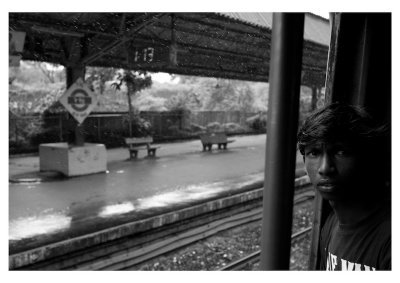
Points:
(312, 153)
(342, 152)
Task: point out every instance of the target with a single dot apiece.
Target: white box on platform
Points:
(73, 160)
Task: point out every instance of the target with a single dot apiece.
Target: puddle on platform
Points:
(26, 181)
(189, 193)
(50, 222)
(115, 209)
(194, 193)
(31, 187)
(37, 225)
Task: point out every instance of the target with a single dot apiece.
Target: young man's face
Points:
(334, 169)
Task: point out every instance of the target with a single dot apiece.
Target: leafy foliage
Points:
(32, 90)
(134, 82)
(27, 100)
(258, 122)
(38, 73)
(21, 131)
(192, 93)
(140, 126)
(97, 77)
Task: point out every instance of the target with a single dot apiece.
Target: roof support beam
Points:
(186, 47)
(229, 37)
(121, 40)
(263, 34)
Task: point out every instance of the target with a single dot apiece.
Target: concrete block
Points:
(73, 160)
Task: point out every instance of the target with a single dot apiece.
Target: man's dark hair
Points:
(341, 122)
(352, 125)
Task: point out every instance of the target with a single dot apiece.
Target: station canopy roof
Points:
(225, 45)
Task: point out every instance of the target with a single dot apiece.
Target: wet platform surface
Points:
(44, 208)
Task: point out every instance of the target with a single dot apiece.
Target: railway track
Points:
(133, 250)
(245, 263)
(255, 257)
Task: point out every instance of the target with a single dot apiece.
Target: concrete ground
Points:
(44, 208)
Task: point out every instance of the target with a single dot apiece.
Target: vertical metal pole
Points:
(75, 69)
(98, 129)
(73, 73)
(283, 109)
(16, 130)
(60, 126)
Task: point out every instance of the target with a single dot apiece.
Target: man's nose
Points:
(326, 165)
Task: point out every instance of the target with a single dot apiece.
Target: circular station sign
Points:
(79, 100)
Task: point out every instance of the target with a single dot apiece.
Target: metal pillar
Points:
(75, 70)
(283, 109)
(73, 73)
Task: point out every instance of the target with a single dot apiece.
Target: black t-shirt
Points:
(364, 246)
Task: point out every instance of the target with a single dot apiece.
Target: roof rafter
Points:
(122, 39)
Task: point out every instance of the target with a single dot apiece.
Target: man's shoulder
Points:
(330, 221)
(327, 228)
(384, 223)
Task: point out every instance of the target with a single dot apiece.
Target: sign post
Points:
(79, 100)
(81, 158)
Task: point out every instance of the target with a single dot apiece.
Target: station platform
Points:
(47, 210)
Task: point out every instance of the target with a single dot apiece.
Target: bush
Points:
(140, 126)
(232, 128)
(173, 129)
(48, 135)
(214, 126)
(257, 122)
(196, 128)
(26, 128)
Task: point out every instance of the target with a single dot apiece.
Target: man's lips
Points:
(326, 186)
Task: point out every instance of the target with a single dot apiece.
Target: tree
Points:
(230, 95)
(245, 99)
(184, 99)
(50, 71)
(98, 76)
(134, 81)
(183, 79)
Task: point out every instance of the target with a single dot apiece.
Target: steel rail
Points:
(129, 252)
(255, 257)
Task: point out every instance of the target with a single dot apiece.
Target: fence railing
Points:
(26, 132)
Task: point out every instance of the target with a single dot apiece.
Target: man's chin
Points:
(331, 195)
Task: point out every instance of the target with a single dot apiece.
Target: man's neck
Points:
(352, 212)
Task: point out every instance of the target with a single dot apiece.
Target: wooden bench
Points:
(136, 144)
(214, 138)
